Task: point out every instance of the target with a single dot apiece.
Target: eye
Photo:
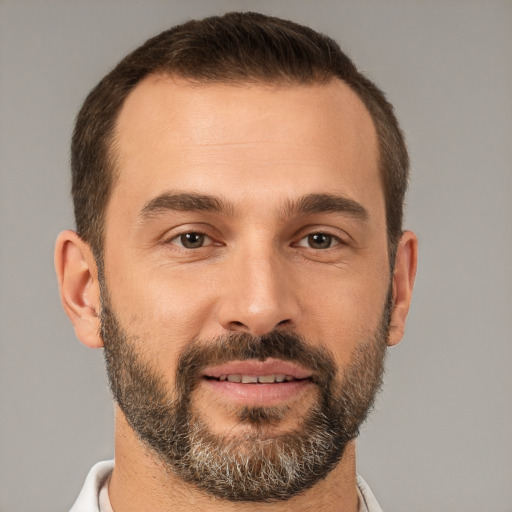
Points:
(318, 241)
(192, 240)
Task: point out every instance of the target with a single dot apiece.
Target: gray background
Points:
(440, 438)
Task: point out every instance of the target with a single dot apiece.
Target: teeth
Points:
(252, 379)
(267, 379)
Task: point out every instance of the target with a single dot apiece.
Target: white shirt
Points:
(94, 494)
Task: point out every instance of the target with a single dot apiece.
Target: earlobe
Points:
(403, 282)
(79, 287)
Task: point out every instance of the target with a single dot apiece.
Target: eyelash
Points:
(334, 240)
(178, 240)
(198, 233)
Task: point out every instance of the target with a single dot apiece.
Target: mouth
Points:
(257, 383)
(255, 379)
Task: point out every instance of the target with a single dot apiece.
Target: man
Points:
(239, 254)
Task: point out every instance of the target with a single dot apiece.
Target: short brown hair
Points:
(233, 48)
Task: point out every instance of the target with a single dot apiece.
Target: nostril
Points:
(237, 326)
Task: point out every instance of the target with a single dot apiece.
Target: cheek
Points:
(345, 311)
(164, 310)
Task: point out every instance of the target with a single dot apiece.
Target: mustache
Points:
(286, 346)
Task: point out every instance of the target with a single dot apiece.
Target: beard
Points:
(257, 464)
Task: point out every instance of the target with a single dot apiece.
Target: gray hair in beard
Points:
(251, 466)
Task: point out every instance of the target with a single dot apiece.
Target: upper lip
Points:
(257, 368)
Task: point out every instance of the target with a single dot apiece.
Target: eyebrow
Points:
(184, 202)
(325, 203)
(306, 205)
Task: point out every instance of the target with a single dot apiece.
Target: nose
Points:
(258, 294)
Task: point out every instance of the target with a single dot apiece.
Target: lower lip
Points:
(259, 394)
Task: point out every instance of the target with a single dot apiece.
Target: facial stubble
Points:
(254, 465)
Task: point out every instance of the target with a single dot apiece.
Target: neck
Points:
(141, 482)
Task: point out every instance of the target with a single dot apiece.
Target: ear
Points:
(79, 287)
(403, 281)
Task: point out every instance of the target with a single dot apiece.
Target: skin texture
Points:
(258, 149)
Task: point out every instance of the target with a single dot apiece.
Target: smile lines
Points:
(253, 379)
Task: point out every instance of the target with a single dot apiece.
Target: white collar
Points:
(94, 494)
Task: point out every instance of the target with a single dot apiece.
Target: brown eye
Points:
(320, 240)
(191, 240)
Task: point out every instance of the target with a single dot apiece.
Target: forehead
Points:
(256, 141)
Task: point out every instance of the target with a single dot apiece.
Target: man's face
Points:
(245, 241)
